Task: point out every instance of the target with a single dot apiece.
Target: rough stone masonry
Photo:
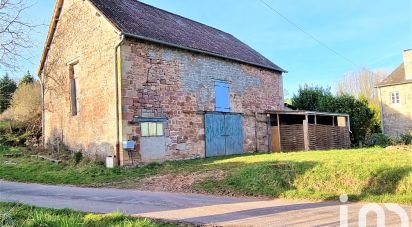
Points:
(159, 81)
(153, 81)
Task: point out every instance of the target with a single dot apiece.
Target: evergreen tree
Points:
(27, 79)
(7, 88)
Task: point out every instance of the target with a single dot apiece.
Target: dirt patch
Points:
(178, 182)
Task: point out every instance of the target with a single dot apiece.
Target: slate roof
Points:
(138, 19)
(396, 77)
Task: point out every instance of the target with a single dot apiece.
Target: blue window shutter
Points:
(222, 96)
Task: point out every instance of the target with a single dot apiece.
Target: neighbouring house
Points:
(395, 95)
(122, 78)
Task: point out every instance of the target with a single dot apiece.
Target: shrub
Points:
(406, 139)
(379, 139)
(23, 116)
(78, 156)
(311, 98)
(14, 136)
(363, 118)
(25, 103)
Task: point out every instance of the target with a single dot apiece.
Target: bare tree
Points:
(14, 32)
(362, 84)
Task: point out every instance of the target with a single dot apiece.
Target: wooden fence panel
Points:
(292, 138)
(325, 137)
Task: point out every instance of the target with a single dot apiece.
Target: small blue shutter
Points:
(222, 96)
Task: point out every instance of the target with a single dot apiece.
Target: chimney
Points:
(407, 62)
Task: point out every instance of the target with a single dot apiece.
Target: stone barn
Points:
(122, 78)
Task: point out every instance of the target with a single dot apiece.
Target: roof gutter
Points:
(300, 112)
(201, 51)
(394, 84)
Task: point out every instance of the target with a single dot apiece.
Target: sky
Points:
(353, 33)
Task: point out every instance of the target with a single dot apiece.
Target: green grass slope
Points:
(374, 174)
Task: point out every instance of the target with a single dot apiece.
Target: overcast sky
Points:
(363, 33)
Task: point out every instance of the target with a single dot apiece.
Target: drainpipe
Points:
(256, 131)
(42, 109)
(117, 99)
(269, 133)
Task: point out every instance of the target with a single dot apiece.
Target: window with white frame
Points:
(152, 129)
(395, 97)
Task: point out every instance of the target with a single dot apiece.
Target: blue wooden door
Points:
(234, 134)
(215, 131)
(224, 134)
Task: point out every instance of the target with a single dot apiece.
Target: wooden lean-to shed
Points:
(306, 130)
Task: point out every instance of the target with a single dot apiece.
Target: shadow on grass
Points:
(213, 163)
(386, 180)
(271, 178)
(382, 187)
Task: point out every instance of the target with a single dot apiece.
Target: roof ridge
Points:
(197, 22)
(144, 21)
(395, 77)
(203, 24)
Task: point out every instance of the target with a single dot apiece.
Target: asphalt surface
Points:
(192, 208)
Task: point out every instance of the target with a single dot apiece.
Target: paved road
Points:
(199, 209)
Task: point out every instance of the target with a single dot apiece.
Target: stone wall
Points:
(85, 36)
(155, 81)
(396, 118)
(159, 81)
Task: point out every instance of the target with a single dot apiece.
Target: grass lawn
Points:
(13, 214)
(374, 174)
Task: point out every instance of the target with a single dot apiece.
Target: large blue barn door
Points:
(224, 134)
(234, 134)
(215, 130)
